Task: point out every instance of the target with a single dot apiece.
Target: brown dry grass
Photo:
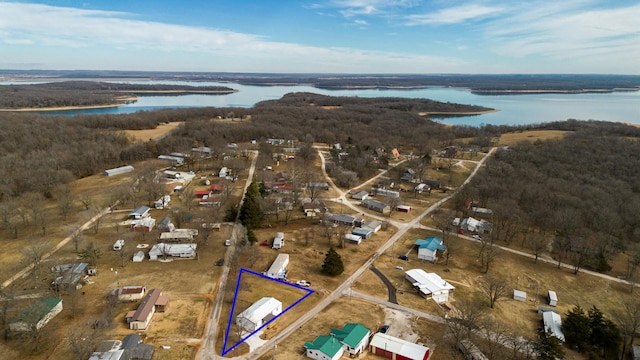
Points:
(150, 134)
(533, 135)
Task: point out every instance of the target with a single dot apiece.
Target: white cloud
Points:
(120, 34)
(453, 15)
(568, 31)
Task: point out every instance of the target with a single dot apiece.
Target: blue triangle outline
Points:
(233, 305)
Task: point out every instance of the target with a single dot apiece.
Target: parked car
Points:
(399, 267)
(477, 237)
(227, 242)
(220, 262)
(384, 329)
(265, 243)
(303, 283)
(403, 257)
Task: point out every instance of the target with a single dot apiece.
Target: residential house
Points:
(470, 350)
(71, 277)
(278, 269)
(202, 194)
(376, 205)
(258, 314)
(173, 250)
(384, 192)
(482, 212)
(179, 235)
(354, 337)
(408, 175)
(143, 225)
(318, 185)
(429, 247)
(135, 349)
(477, 226)
(432, 184)
(139, 319)
(173, 159)
(324, 347)
(360, 195)
(403, 208)
(397, 349)
(430, 285)
(165, 224)
(37, 314)
(343, 219)
(139, 212)
(313, 208)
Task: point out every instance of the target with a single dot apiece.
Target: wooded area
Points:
(88, 93)
(578, 194)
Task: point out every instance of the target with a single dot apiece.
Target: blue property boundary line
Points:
(233, 305)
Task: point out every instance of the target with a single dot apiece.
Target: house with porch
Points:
(354, 337)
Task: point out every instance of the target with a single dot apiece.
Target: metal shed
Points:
(519, 295)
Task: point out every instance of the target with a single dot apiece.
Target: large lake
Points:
(514, 109)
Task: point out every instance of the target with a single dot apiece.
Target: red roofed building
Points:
(217, 188)
(202, 193)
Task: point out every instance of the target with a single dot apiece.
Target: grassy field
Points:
(532, 135)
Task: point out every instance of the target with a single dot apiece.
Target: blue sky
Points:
(324, 36)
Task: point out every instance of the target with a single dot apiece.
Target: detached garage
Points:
(397, 349)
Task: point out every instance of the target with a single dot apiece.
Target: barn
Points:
(397, 349)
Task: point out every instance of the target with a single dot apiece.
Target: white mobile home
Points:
(259, 313)
(553, 323)
(278, 269)
(173, 250)
(118, 171)
(430, 285)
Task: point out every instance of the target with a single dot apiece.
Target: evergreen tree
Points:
(549, 347)
(605, 335)
(251, 236)
(251, 214)
(576, 328)
(332, 265)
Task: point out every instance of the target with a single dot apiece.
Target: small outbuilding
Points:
(360, 195)
(403, 208)
(374, 225)
(553, 298)
(145, 224)
(138, 256)
(376, 205)
(278, 241)
(353, 238)
(259, 313)
(519, 295)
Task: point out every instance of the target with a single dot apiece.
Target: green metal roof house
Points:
(324, 347)
(37, 314)
(355, 337)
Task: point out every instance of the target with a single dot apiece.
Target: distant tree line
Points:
(85, 93)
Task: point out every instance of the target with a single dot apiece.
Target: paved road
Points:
(390, 288)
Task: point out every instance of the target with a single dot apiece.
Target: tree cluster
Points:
(592, 333)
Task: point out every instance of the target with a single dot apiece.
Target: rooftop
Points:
(329, 345)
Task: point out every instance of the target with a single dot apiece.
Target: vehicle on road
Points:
(384, 329)
(403, 257)
(477, 237)
(303, 283)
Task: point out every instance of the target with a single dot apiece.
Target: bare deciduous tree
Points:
(494, 288)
